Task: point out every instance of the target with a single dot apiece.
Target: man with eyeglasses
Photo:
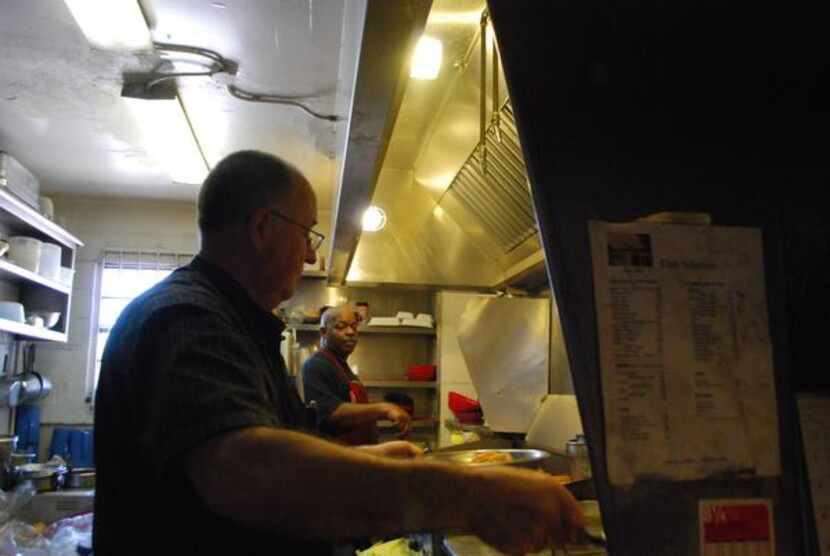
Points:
(203, 445)
(343, 408)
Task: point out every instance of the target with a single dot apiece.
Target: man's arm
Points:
(350, 415)
(302, 486)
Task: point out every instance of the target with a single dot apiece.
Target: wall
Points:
(453, 372)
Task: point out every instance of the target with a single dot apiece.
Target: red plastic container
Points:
(462, 404)
(423, 373)
(469, 417)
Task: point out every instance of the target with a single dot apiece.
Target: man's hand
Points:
(520, 511)
(398, 416)
(394, 449)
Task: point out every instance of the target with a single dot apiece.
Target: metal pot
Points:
(580, 464)
(81, 478)
(17, 459)
(45, 478)
(8, 444)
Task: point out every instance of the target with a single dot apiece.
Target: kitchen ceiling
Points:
(62, 116)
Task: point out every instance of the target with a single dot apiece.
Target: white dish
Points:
(47, 208)
(384, 321)
(12, 310)
(50, 261)
(25, 251)
(420, 323)
(35, 321)
(48, 318)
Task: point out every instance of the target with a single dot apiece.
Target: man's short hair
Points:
(241, 183)
(330, 316)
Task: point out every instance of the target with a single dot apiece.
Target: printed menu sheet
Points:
(814, 412)
(685, 354)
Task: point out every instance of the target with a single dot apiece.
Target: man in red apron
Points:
(343, 408)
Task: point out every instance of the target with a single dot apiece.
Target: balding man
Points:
(200, 434)
(343, 408)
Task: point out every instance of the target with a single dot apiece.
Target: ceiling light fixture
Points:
(374, 219)
(112, 24)
(426, 62)
(152, 98)
(159, 113)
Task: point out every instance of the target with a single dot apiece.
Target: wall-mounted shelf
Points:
(18, 274)
(33, 332)
(415, 424)
(398, 384)
(26, 220)
(403, 330)
(399, 330)
(29, 288)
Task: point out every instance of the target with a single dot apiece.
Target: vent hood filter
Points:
(493, 185)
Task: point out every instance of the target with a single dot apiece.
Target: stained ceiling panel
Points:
(62, 116)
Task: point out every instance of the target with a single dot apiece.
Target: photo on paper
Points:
(629, 250)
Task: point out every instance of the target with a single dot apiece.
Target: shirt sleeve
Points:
(204, 379)
(322, 386)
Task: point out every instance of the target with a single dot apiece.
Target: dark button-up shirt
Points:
(190, 359)
(327, 386)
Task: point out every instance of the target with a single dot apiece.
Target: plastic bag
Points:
(18, 538)
(21, 539)
(67, 534)
(11, 502)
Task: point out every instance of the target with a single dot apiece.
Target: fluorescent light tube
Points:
(111, 24)
(169, 138)
(426, 62)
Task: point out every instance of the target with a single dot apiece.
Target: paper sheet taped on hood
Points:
(505, 342)
(688, 381)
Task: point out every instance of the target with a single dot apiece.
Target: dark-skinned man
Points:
(343, 408)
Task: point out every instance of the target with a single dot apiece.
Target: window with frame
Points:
(123, 275)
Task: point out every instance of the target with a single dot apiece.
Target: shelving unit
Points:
(420, 423)
(12, 272)
(34, 291)
(399, 384)
(383, 352)
(398, 330)
(31, 332)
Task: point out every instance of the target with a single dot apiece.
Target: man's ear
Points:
(259, 228)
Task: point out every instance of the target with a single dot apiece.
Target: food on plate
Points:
(492, 457)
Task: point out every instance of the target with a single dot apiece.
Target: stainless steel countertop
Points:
(470, 545)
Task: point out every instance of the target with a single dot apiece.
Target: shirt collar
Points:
(264, 321)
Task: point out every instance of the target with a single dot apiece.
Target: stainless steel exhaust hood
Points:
(459, 212)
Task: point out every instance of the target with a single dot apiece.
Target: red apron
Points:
(364, 434)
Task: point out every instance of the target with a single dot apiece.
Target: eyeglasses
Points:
(314, 238)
